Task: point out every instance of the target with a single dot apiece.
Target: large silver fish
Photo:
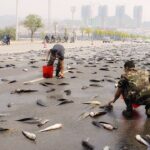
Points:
(106, 148)
(93, 103)
(53, 127)
(107, 126)
(30, 136)
(141, 140)
(96, 114)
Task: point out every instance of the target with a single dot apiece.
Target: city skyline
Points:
(61, 10)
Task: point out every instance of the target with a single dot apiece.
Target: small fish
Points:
(30, 136)
(62, 99)
(4, 80)
(30, 120)
(79, 72)
(106, 148)
(41, 103)
(49, 83)
(107, 107)
(63, 84)
(71, 71)
(96, 123)
(26, 70)
(73, 77)
(141, 140)
(93, 80)
(104, 69)
(107, 126)
(43, 122)
(87, 145)
(13, 81)
(92, 103)
(66, 102)
(84, 87)
(19, 91)
(4, 115)
(3, 129)
(43, 84)
(68, 92)
(96, 114)
(84, 115)
(95, 85)
(110, 80)
(51, 90)
(53, 127)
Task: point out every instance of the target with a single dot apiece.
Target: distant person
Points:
(8, 39)
(53, 39)
(57, 52)
(134, 86)
(47, 39)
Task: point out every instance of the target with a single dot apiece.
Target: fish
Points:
(96, 114)
(107, 107)
(107, 126)
(141, 140)
(95, 85)
(41, 103)
(66, 102)
(34, 67)
(87, 145)
(71, 71)
(63, 84)
(13, 81)
(73, 77)
(53, 127)
(43, 84)
(49, 83)
(4, 80)
(106, 148)
(92, 103)
(96, 123)
(19, 91)
(30, 120)
(110, 80)
(29, 135)
(62, 99)
(93, 80)
(4, 115)
(148, 138)
(43, 122)
(84, 87)
(68, 92)
(79, 72)
(84, 115)
(104, 69)
(3, 129)
(51, 90)
(26, 70)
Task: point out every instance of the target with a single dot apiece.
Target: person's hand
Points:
(110, 103)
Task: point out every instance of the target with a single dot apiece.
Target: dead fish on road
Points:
(49, 83)
(63, 84)
(43, 84)
(53, 127)
(3, 129)
(106, 148)
(107, 107)
(51, 90)
(66, 102)
(84, 87)
(95, 85)
(62, 99)
(84, 115)
(96, 114)
(70, 71)
(107, 126)
(43, 122)
(19, 91)
(92, 103)
(73, 77)
(4, 115)
(87, 145)
(110, 80)
(79, 72)
(30, 136)
(141, 140)
(96, 123)
(13, 81)
(30, 120)
(104, 69)
(68, 92)
(93, 80)
(41, 103)
(26, 70)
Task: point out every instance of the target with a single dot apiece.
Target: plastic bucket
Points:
(47, 71)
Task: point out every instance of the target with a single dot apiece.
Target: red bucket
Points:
(47, 71)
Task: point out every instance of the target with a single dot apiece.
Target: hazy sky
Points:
(61, 8)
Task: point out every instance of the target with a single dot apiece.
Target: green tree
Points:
(33, 23)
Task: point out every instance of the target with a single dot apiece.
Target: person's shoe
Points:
(127, 113)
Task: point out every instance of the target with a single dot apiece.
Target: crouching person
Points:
(134, 86)
(57, 52)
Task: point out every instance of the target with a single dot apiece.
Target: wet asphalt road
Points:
(85, 64)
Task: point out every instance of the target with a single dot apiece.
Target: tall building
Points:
(137, 16)
(102, 15)
(120, 13)
(86, 14)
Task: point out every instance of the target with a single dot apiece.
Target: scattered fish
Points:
(43, 84)
(66, 102)
(95, 85)
(63, 84)
(93, 80)
(4, 115)
(107, 126)
(51, 90)
(19, 91)
(73, 77)
(87, 145)
(84, 115)
(107, 107)
(84, 87)
(4, 80)
(104, 69)
(30, 120)
(96, 123)
(70, 71)
(53, 127)
(3, 129)
(68, 92)
(141, 140)
(92, 103)
(49, 83)
(43, 122)
(13, 81)
(26, 70)
(96, 114)
(41, 103)
(62, 99)
(106, 148)
(30, 136)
